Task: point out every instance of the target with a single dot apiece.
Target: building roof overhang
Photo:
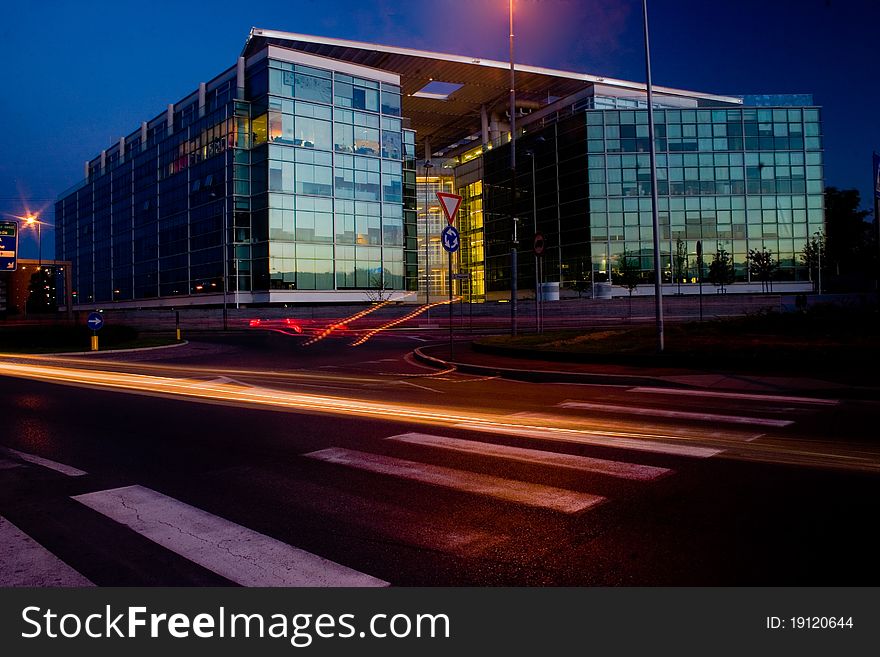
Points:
(445, 119)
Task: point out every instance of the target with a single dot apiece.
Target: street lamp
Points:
(215, 195)
(658, 283)
(538, 278)
(513, 254)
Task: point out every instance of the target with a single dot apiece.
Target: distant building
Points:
(35, 288)
(293, 177)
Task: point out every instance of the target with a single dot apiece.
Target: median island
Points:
(823, 340)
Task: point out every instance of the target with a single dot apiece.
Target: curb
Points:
(118, 351)
(546, 376)
(552, 376)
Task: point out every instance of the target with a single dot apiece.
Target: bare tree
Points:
(680, 261)
(629, 273)
(379, 289)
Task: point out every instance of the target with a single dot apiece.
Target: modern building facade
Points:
(293, 176)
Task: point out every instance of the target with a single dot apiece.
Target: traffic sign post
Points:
(449, 203)
(451, 241)
(8, 245)
(538, 247)
(96, 323)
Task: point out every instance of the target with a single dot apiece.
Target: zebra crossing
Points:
(566, 447)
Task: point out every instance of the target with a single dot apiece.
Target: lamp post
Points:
(215, 195)
(33, 220)
(658, 282)
(538, 281)
(513, 254)
(428, 165)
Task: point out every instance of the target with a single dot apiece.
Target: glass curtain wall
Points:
(332, 146)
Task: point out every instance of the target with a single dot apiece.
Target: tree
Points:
(379, 291)
(629, 273)
(680, 259)
(721, 270)
(762, 266)
(851, 248)
(811, 255)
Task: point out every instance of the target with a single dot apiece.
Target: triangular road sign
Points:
(450, 204)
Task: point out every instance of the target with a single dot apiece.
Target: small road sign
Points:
(539, 244)
(449, 237)
(8, 245)
(95, 321)
(450, 204)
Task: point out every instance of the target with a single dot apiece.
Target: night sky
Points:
(77, 76)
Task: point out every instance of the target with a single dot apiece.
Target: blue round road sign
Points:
(449, 237)
(95, 321)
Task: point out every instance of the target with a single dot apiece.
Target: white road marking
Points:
(736, 395)
(585, 438)
(230, 550)
(535, 495)
(416, 385)
(68, 470)
(24, 562)
(619, 469)
(640, 429)
(679, 415)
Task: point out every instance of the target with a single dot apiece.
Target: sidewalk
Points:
(469, 361)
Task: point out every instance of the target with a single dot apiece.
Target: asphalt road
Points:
(255, 461)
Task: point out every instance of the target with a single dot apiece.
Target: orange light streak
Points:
(400, 320)
(793, 451)
(342, 322)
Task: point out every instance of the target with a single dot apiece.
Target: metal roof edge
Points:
(479, 61)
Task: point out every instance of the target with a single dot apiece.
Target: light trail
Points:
(342, 322)
(194, 370)
(793, 451)
(400, 320)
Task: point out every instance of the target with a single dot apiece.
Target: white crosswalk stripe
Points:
(597, 439)
(679, 415)
(639, 428)
(618, 469)
(520, 492)
(736, 395)
(68, 470)
(239, 554)
(24, 562)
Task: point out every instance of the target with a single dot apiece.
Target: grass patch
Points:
(830, 339)
(47, 339)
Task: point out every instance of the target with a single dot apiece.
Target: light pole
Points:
(33, 220)
(225, 258)
(819, 253)
(658, 282)
(513, 254)
(538, 281)
(428, 165)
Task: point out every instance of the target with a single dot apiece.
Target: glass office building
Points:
(731, 178)
(289, 177)
(298, 175)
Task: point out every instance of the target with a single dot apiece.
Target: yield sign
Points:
(450, 204)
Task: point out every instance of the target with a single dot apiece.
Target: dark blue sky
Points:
(77, 76)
